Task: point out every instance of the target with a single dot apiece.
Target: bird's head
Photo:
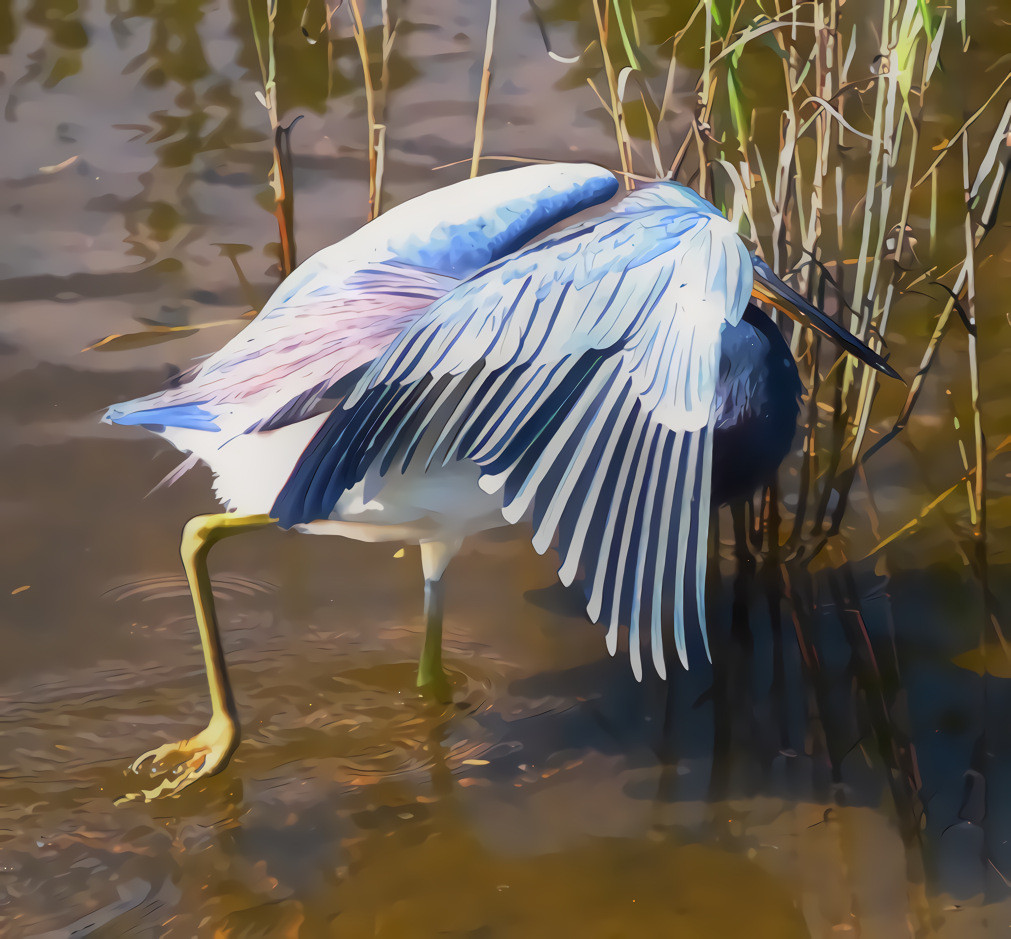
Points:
(770, 289)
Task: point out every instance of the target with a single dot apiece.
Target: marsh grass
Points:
(836, 182)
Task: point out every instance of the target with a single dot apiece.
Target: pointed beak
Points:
(770, 289)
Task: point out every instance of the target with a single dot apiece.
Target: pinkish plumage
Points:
(256, 399)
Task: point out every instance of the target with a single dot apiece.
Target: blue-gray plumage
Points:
(759, 391)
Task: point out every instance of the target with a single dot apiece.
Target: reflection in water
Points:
(834, 772)
(543, 794)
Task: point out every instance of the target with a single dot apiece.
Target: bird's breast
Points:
(444, 502)
(758, 393)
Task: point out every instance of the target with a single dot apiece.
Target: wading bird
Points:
(450, 368)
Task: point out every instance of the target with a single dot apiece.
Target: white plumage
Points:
(439, 373)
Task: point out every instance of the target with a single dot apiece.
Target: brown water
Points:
(555, 796)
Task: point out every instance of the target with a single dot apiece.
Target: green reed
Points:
(844, 130)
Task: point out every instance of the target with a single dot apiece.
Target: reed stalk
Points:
(375, 98)
(995, 169)
(281, 176)
(616, 109)
(482, 101)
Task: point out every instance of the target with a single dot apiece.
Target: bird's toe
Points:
(182, 763)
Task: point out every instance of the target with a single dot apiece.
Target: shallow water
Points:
(850, 783)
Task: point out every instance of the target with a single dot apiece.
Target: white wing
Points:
(579, 374)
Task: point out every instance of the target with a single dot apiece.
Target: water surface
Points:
(840, 774)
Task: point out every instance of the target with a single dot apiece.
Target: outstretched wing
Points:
(579, 374)
(343, 306)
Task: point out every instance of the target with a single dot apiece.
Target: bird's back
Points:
(343, 306)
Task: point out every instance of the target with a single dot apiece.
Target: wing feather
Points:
(666, 547)
(347, 304)
(688, 522)
(641, 556)
(550, 519)
(594, 488)
(579, 375)
(631, 528)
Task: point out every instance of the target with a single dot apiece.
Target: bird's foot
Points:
(196, 758)
(433, 683)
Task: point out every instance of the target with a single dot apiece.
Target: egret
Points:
(457, 365)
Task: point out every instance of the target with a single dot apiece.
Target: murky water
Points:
(834, 775)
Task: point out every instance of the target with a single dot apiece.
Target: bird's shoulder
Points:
(660, 252)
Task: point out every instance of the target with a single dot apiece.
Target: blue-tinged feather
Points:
(454, 250)
(188, 416)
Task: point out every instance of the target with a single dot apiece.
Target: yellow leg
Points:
(208, 752)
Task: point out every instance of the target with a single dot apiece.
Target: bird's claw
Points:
(203, 755)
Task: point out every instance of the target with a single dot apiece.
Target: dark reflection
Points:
(858, 713)
(308, 72)
(175, 52)
(66, 37)
(8, 26)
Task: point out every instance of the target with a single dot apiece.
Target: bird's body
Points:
(759, 398)
(450, 368)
